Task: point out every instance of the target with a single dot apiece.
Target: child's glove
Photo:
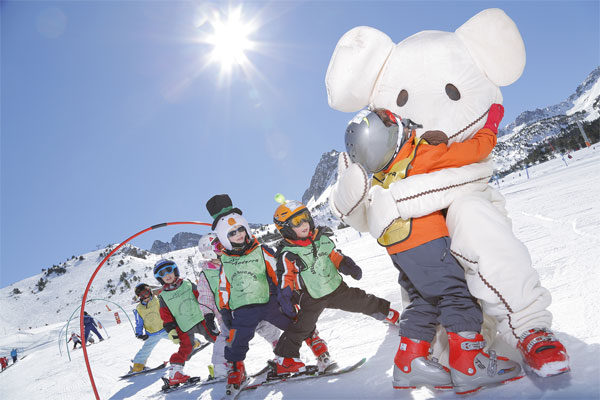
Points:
(142, 337)
(210, 324)
(173, 336)
(284, 297)
(227, 317)
(494, 117)
(349, 267)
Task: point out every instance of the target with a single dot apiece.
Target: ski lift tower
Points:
(585, 138)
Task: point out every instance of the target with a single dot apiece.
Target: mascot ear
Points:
(354, 67)
(496, 45)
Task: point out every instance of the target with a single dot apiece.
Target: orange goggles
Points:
(297, 220)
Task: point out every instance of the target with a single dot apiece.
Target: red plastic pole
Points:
(81, 326)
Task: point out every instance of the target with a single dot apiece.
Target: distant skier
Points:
(310, 268)
(90, 325)
(76, 340)
(13, 354)
(208, 287)
(147, 317)
(182, 317)
(3, 362)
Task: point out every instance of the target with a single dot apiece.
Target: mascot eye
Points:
(452, 92)
(402, 98)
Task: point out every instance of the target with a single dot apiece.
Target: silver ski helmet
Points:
(369, 142)
(206, 246)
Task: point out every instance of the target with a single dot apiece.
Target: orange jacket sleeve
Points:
(470, 151)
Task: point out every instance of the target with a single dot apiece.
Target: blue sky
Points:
(113, 121)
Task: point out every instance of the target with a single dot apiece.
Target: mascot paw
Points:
(382, 210)
(351, 188)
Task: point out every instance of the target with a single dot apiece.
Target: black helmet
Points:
(164, 264)
(141, 288)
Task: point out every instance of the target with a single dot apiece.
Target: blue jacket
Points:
(88, 321)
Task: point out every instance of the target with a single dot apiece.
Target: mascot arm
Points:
(348, 199)
(420, 195)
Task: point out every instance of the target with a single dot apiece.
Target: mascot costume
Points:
(447, 81)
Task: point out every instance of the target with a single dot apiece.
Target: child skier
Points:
(208, 287)
(3, 362)
(147, 317)
(89, 324)
(420, 250)
(247, 288)
(76, 340)
(181, 316)
(309, 267)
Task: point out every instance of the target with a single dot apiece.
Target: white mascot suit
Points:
(447, 81)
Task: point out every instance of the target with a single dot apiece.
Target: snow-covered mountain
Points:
(554, 213)
(530, 128)
(181, 240)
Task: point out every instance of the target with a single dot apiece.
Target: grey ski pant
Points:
(437, 290)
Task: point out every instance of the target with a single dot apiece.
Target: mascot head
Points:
(444, 81)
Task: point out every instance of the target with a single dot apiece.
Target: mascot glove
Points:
(142, 337)
(382, 210)
(227, 317)
(173, 336)
(349, 267)
(495, 115)
(351, 188)
(284, 297)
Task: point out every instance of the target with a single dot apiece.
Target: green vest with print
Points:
(212, 277)
(247, 276)
(319, 273)
(183, 305)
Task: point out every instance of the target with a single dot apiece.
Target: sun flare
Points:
(230, 40)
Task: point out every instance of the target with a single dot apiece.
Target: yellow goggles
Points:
(297, 220)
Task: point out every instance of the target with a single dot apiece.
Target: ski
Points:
(166, 387)
(311, 373)
(145, 371)
(199, 348)
(198, 382)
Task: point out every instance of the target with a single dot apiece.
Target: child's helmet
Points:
(139, 289)
(372, 138)
(162, 264)
(289, 215)
(206, 246)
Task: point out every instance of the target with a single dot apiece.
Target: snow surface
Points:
(586, 101)
(555, 212)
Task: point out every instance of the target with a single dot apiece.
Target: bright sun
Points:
(230, 40)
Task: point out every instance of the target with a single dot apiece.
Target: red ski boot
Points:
(543, 353)
(472, 369)
(236, 376)
(413, 368)
(320, 350)
(393, 317)
(289, 365)
(176, 375)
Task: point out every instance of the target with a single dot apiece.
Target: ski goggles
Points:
(145, 294)
(164, 271)
(297, 220)
(234, 232)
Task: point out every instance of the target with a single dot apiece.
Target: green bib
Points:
(212, 276)
(183, 305)
(247, 276)
(320, 276)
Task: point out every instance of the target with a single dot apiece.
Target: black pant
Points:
(343, 298)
